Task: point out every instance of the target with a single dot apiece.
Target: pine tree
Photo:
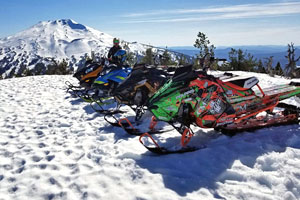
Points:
(166, 58)
(250, 62)
(206, 50)
(131, 57)
(182, 60)
(233, 59)
(148, 58)
(269, 63)
(27, 72)
(260, 67)
(63, 68)
(240, 60)
(39, 69)
(278, 69)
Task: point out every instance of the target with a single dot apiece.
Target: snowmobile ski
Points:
(155, 148)
(125, 124)
(101, 110)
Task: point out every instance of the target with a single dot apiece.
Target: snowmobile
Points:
(86, 76)
(109, 79)
(135, 90)
(196, 98)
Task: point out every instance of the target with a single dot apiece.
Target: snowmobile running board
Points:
(289, 116)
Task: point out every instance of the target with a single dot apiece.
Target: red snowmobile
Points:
(193, 97)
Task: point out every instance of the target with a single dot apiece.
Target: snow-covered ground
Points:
(53, 146)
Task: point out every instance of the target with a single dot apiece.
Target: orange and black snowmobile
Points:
(86, 77)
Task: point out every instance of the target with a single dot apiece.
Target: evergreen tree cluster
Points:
(151, 58)
(55, 67)
(243, 61)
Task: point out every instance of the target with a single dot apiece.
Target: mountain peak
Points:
(68, 22)
(58, 39)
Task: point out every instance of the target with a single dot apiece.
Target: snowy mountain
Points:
(53, 146)
(59, 39)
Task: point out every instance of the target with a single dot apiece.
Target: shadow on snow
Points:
(188, 172)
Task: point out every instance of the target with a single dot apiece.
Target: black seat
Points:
(246, 83)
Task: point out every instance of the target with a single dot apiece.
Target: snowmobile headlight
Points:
(106, 84)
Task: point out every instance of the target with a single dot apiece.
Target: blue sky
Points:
(166, 22)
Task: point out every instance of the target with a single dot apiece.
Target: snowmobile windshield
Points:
(130, 82)
(140, 75)
(120, 56)
(120, 52)
(185, 73)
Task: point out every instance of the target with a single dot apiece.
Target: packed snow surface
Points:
(54, 146)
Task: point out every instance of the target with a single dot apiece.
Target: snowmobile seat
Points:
(243, 84)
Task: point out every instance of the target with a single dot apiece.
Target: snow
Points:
(53, 146)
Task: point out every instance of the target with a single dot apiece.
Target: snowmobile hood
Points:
(116, 74)
(166, 102)
(88, 71)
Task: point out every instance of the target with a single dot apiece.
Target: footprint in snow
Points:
(50, 157)
(36, 158)
(20, 170)
(42, 145)
(42, 166)
(13, 189)
(47, 152)
(40, 133)
(11, 179)
(68, 152)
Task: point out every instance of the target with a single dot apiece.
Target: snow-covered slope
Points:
(53, 146)
(58, 39)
